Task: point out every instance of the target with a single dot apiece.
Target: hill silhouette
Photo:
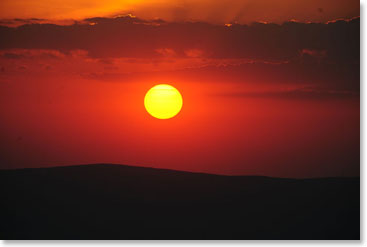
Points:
(123, 202)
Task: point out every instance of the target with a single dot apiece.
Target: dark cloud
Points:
(325, 55)
(11, 55)
(19, 21)
(313, 93)
(33, 54)
(118, 21)
(28, 20)
(128, 36)
(314, 53)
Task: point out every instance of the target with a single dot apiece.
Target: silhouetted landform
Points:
(124, 202)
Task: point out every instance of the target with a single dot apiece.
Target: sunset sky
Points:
(269, 87)
(241, 11)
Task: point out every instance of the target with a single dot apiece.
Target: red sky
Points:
(263, 99)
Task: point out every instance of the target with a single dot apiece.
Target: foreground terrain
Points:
(124, 202)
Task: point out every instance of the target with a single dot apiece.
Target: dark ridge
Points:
(105, 201)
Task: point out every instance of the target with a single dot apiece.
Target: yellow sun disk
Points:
(163, 101)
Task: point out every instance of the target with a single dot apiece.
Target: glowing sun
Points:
(163, 101)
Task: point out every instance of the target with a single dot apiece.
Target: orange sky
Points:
(243, 11)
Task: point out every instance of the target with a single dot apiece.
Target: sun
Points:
(163, 101)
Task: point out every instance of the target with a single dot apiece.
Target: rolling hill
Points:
(106, 201)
